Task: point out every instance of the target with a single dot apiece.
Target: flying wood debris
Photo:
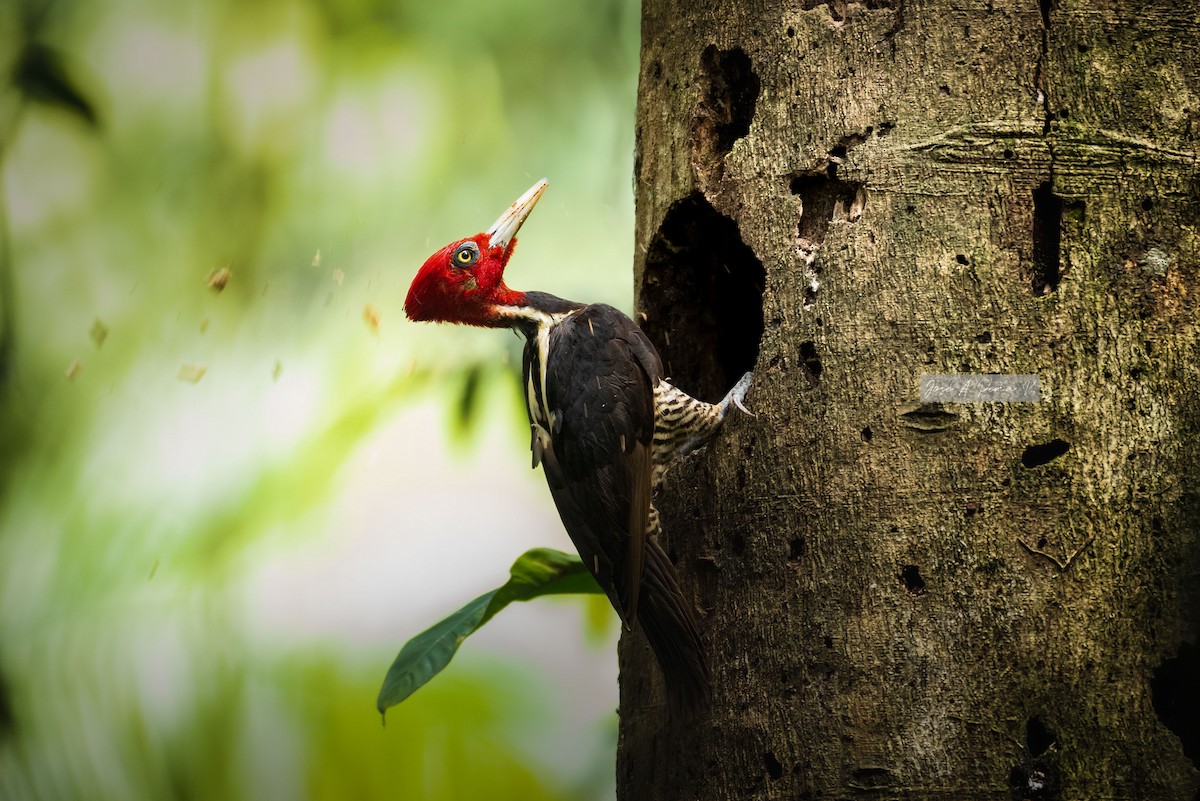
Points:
(338, 277)
(192, 372)
(73, 369)
(219, 279)
(371, 315)
(316, 262)
(98, 332)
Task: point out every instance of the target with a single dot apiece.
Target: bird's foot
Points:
(738, 393)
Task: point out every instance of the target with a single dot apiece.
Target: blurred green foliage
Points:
(168, 450)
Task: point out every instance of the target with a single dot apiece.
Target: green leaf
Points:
(541, 571)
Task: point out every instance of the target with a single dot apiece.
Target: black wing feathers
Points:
(600, 377)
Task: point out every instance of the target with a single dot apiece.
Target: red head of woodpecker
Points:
(464, 281)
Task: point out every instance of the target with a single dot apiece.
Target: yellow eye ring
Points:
(466, 254)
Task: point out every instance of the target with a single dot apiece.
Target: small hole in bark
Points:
(961, 258)
(1008, 153)
(1047, 240)
(1147, 204)
(972, 509)
(822, 198)
(738, 544)
(867, 434)
(911, 576)
(984, 338)
(1175, 693)
(1037, 455)
(944, 89)
(774, 769)
(702, 292)
(1038, 736)
(810, 363)
(828, 641)
(795, 549)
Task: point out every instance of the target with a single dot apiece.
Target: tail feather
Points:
(670, 625)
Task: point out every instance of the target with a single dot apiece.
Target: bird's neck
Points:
(531, 311)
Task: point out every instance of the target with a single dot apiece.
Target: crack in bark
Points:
(1047, 206)
(1039, 75)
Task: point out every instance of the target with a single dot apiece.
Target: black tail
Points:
(670, 625)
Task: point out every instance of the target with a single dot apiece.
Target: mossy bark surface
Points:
(905, 599)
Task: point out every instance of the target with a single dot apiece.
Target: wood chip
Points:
(371, 315)
(338, 277)
(219, 279)
(192, 372)
(98, 332)
(316, 262)
(73, 369)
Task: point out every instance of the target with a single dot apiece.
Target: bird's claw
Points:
(738, 393)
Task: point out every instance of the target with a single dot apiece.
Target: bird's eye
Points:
(466, 254)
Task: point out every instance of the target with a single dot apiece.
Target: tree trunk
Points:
(907, 599)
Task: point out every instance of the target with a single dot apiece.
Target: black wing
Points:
(601, 371)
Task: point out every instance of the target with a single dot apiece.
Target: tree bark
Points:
(907, 599)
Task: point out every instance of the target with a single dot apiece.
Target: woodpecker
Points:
(605, 425)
